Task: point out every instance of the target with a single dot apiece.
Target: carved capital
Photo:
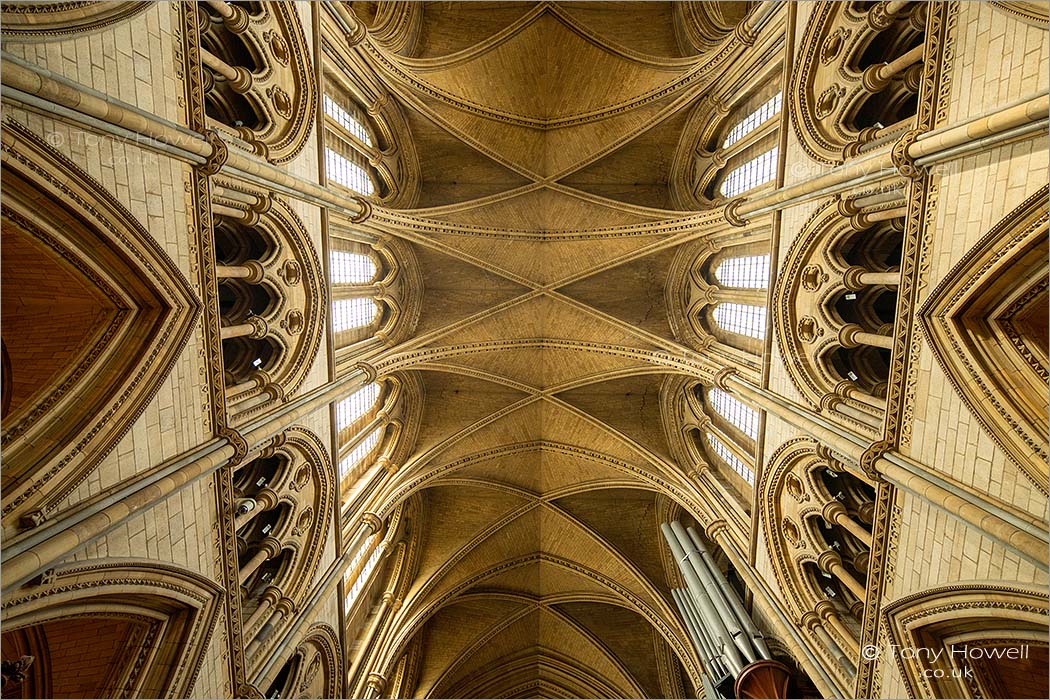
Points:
(716, 528)
(825, 610)
(873, 78)
(731, 214)
(832, 511)
(829, 402)
(848, 335)
(286, 606)
(373, 522)
(828, 561)
(851, 278)
(904, 163)
(810, 621)
(220, 152)
(242, 81)
(868, 458)
(237, 21)
(369, 370)
(722, 376)
(878, 18)
(744, 34)
(271, 595)
(365, 213)
(272, 546)
(259, 327)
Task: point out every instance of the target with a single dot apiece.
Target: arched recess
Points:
(314, 670)
(697, 288)
(397, 293)
(366, 128)
(284, 500)
(95, 314)
(272, 297)
(138, 628)
(858, 76)
(51, 20)
(987, 325)
(687, 424)
(817, 518)
(835, 305)
(702, 26)
(259, 82)
(984, 640)
(394, 25)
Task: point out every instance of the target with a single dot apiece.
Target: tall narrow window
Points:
(355, 405)
(733, 410)
(731, 459)
(745, 272)
(352, 313)
(751, 174)
(354, 588)
(346, 172)
(357, 455)
(754, 120)
(744, 319)
(344, 115)
(352, 268)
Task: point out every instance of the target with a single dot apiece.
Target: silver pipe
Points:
(703, 645)
(690, 627)
(706, 607)
(740, 638)
(718, 663)
(773, 602)
(731, 597)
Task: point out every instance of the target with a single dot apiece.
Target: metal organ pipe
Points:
(709, 616)
(725, 615)
(757, 641)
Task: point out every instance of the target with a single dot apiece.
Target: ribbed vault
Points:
(545, 230)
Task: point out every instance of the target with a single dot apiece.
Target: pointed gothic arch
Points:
(100, 316)
(142, 629)
(999, 293)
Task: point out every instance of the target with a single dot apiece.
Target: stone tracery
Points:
(565, 347)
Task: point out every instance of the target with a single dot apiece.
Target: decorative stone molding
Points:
(178, 610)
(49, 448)
(969, 613)
(53, 20)
(1003, 383)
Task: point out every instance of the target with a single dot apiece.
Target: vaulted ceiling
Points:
(545, 228)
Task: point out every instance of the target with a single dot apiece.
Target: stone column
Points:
(877, 77)
(851, 335)
(268, 549)
(830, 616)
(856, 278)
(254, 327)
(239, 78)
(835, 512)
(812, 622)
(251, 271)
(831, 562)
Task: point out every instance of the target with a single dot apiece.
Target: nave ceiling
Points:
(544, 226)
